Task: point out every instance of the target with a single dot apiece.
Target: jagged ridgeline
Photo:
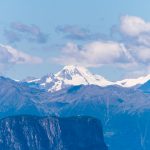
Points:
(77, 75)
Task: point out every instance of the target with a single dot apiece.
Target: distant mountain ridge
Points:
(22, 98)
(77, 75)
(19, 98)
(121, 110)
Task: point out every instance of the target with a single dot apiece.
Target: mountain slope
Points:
(124, 112)
(19, 98)
(51, 133)
(121, 99)
(145, 87)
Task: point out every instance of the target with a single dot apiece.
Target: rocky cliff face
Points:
(51, 133)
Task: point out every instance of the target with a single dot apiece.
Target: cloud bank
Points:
(19, 31)
(95, 54)
(131, 52)
(75, 32)
(10, 56)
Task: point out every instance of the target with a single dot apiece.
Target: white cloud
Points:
(95, 54)
(135, 29)
(138, 31)
(134, 26)
(132, 54)
(144, 40)
(136, 36)
(10, 56)
(141, 54)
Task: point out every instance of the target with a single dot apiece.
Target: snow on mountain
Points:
(68, 76)
(77, 75)
(133, 82)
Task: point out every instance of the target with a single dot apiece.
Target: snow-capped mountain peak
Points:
(69, 71)
(69, 76)
(76, 75)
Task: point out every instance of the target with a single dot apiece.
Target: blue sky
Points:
(92, 33)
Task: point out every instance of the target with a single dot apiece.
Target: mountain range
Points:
(77, 75)
(124, 111)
